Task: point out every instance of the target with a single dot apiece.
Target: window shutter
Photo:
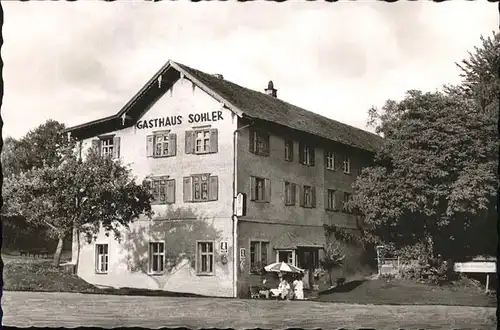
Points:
(313, 157)
(213, 188)
(267, 187)
(172, 144)
(96, 144)
(116, 147)
(326, 199)
(294, 186)
(252, 188)
(189, 145)
(291, 149)
(301, 152)
(188, 189)
(267, 144)
(339, 196)
(313, 196)
(150, 147)
(252, 141)
(301, 195)
(171, 191)
(213, 140)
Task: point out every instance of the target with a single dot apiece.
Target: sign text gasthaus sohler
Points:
(177, 120)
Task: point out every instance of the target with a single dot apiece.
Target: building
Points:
(200, 140)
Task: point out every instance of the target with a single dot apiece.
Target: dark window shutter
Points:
(187, 189)
(340, 200)
(150, 147)
(267, 187)
(116, 147)
(301, 153)
(267, 143)
(252, 141)
(313, 196)
(252, 188)
(326, 199)
(291, 149)
(171, 191)
(213, 140)
(96, 145)
(172, 144)
(213, 188)
(294, 193)
(301, 195)
(313, 157)
(189, 145)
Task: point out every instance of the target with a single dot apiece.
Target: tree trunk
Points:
(330, 277)
(57, 255)
(77, 251)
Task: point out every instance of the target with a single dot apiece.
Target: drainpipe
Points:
(234, 217)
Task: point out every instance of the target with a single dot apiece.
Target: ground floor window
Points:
(287, 256)
(156, 257)
(258, 255)
(102, 258)
(205, 258)
(308, 258)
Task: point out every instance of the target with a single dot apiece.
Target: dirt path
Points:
(26, 309)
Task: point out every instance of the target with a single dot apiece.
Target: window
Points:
(260, 189)
(286, 256)
(162, 189)
(347, 198)
(201, 188)
(331, 203)
(289, 150)
(258, 255)
(205, 264)
(347, 165)
(107, 146)
(308, 196)
(306, 155)
(161, 144)
(156, 257)
(102, 257)
(330, 160)
(202, 141)
(259, 143)
(289, 193)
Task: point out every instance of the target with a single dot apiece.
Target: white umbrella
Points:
(283, 267)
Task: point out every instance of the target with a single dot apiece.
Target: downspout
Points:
(234, 217)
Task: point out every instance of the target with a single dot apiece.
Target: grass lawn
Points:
(400, 292)
(38, 275)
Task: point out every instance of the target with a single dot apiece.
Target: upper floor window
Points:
(203, 140)
(201, 188)
(259, 142)
(161, 144)
(347, 198)
(107, 146)
(290, 193)
(331, 202)
(306, 154)
(330, 160)
(260, 189)
(347, 164)
(308, 196)
(289, 150)
(162, 189)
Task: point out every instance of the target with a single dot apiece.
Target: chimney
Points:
(270, 89)
(218, 75)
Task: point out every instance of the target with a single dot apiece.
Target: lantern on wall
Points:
(223, 259)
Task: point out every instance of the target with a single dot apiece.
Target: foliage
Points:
(433, 186)
(334, 258)
(433, 272)
(90, 194)
(257, 268)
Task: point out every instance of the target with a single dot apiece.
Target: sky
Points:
(79, 61)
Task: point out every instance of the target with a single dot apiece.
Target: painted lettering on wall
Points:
(177, 120)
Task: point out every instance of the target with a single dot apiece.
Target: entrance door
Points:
(308, 260)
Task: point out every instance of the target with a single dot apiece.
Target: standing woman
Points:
(298, 287)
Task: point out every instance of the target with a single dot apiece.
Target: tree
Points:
(87, 195)
(334, 257)
(435, 180)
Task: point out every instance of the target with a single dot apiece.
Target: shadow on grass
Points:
(145, 292)
(349, 286)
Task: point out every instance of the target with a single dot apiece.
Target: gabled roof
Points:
(242, 101)
(290, 241)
